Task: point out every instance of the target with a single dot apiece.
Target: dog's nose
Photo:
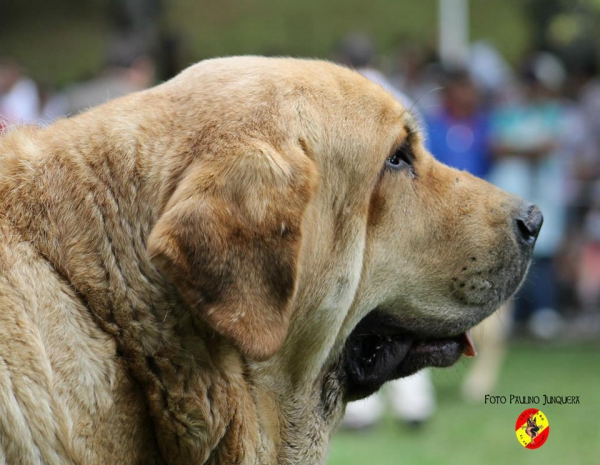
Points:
(528, 224)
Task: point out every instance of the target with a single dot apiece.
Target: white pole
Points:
(454, 31)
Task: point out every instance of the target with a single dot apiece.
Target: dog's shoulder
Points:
(33, 423)
(58, 370)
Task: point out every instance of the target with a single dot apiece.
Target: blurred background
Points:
(506, 89)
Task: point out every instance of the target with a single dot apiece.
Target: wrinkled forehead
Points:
(359, 135)
(350, 99)
(280, 101)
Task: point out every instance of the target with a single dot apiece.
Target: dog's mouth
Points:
(379, 350)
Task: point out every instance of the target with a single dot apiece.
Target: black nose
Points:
(528, 224)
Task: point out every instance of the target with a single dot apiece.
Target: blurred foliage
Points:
(313, 28)
(57, 41)
(64, 40)
(556, 23)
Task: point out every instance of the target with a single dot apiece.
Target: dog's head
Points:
(312, 230)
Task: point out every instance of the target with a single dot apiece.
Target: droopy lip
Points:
(386, 326)
(380, 350)
(436, 352)
(462, 341)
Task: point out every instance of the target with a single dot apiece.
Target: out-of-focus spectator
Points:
(587, 88)
(358, 51)
(531, 142)
(490, 337)
(129, 69)
(580, 259)
(459, 130)
(411, 400)
(488, 67)
(418, 76)
(491, 73)
(19, 97)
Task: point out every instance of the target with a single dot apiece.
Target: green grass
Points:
(465, 434)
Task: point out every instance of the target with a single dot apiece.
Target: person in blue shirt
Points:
(458, 132)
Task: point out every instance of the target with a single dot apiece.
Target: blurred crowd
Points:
(128, 68)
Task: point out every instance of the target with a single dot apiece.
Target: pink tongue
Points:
(469, 350)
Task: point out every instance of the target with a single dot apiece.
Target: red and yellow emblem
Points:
(532, 428)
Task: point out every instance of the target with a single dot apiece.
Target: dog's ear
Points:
(229, 238)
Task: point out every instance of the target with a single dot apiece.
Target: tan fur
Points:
(180, 268)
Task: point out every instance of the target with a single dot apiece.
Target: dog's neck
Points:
(87, 197)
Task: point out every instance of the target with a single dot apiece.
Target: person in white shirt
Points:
(19, 96)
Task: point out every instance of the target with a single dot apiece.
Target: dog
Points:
(532, 428)
(208, 271)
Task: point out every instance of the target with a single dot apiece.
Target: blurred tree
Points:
(541, 13)
(135, 16)
(134, 27)
(140, 22)
(64, 40)
(557, 24)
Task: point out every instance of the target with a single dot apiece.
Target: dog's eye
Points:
(402, 158)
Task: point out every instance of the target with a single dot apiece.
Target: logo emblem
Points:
(532, 428)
